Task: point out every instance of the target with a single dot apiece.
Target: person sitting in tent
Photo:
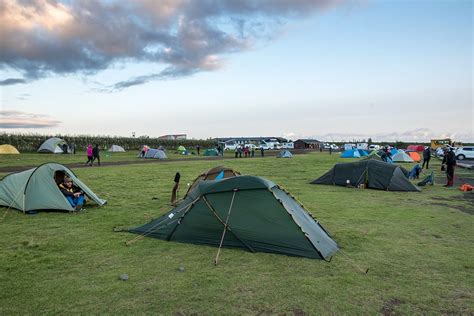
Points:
(415, 172)
(73, 194)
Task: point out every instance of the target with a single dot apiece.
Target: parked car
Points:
(374, 147)
(464, 152)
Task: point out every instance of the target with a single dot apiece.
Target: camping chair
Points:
(429, 179)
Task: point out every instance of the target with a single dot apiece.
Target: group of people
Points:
(93, 154)
(246, 151)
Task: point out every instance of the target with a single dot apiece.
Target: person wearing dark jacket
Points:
(426, 158)
(96, 154)
(449, 160)
(73, 194)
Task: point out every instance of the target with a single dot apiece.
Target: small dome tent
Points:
(402, 157)
(352, 153)
(219, 172)
(116, 149)
(284, 154)
(8, 150)
(37, 189)
(211, 152)
(52, 145)
(155, 154)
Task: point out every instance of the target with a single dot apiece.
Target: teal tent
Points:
(260, 216)
(352, 153)
(211, 152)
(37, 189)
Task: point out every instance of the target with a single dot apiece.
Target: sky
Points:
(328, 69)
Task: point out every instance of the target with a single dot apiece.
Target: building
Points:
(251, 140)
(173, 137)
(307, 144)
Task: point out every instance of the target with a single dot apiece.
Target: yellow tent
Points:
(8, 149)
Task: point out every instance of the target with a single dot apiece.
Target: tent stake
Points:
(225, 228)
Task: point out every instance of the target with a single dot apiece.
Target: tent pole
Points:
(225, 228)
(228, 228)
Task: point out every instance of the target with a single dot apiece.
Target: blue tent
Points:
(362, 152)
(284, 154)
(352, 153)
(394, 151)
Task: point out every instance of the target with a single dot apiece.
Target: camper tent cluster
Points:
(37, 189)
(255, 213)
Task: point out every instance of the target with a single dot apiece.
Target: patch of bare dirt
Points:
(389, 306)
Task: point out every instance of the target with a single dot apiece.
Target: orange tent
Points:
(415, 156)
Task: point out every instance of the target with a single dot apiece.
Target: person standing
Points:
(73, 148)
(174, 192)
(450, 161)
(89, 155)
(252, 152)
(236, 151)
(198, 148)
(330, 150)
(96, 154)
(262, 151)
(426, 157)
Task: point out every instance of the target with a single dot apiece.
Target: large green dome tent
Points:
(261, 218)
(37, 189)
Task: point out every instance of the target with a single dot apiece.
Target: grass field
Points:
(418, 248)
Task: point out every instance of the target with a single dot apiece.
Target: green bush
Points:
(31, 142)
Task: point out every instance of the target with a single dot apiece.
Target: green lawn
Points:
(418, 247)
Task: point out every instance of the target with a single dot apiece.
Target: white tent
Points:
(402, 157)
(155, 153)
(52, 146)
(116, 149)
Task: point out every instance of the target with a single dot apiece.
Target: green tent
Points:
(373, 155)
(261, 218)
(371, 172)
(211, 152)
(37, 189)
(182, 150)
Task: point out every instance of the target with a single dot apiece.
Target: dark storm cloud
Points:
(12, 81)
(40, 38)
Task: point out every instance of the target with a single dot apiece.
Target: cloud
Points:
(40, 38)
(19, 119)
(12, 81)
